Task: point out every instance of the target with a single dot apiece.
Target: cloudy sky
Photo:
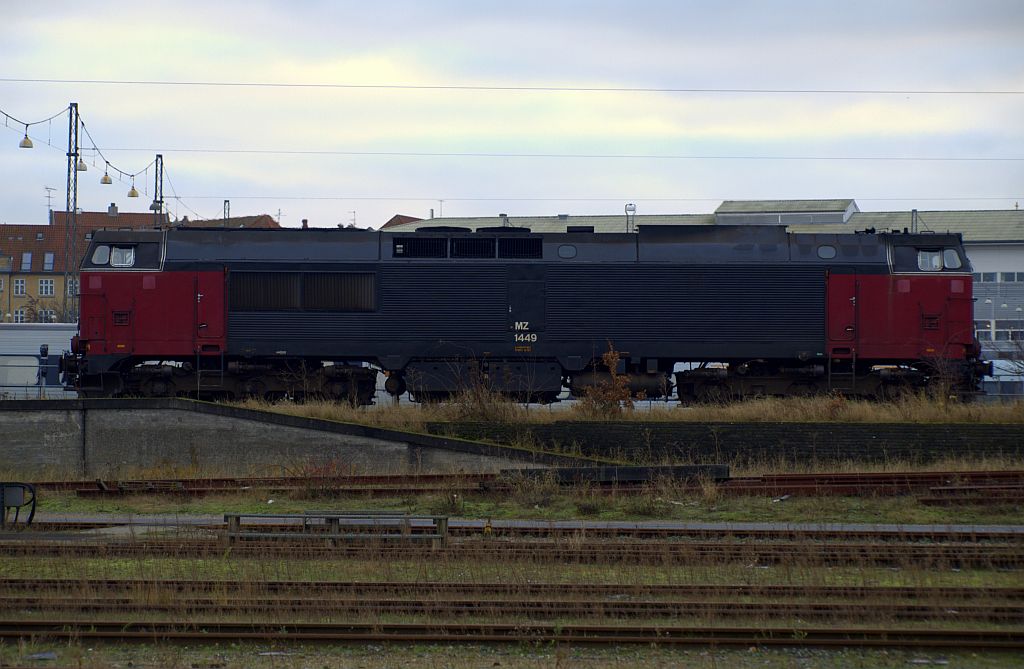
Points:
(365, 110)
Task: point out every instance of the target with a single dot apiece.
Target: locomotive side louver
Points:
(528, 247)
(313, 291)
(419, 247)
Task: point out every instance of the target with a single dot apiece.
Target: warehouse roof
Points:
(783, 206)
(977, 226)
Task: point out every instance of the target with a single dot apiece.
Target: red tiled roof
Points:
(261, 221)
(16, 239)
(398, 219)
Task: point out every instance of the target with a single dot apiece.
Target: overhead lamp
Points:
(25, 142)
(105, 179)
(81, 166)
(133, 192)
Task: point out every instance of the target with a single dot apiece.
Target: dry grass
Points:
(490, 408)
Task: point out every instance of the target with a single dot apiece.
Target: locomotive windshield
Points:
(929, 259)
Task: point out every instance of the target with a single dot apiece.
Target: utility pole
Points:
(158, 191)
(70, 239)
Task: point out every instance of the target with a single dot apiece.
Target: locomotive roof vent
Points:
(443, 228)
(504, 230)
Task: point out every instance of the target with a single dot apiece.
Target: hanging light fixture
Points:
(105, 179)
(133, 192)
(25, 143)
(81, 166)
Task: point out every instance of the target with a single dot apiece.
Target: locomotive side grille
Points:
(526, 247)
(473, 247)
(315, 291)
(338, 292)
(419, 247)
(264, 291)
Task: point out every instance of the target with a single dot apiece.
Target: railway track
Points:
(975, 555)
(1008, 484)
(292, 600)
(290, 608)
(496, 589)
(448, 632)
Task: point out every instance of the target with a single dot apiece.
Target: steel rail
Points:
(192, 631)
(289, 607)
(923, 554)
(383, 588)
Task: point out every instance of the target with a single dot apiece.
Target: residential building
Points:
(32, 257)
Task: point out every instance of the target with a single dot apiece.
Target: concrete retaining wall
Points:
(122, 438)
(737, 443)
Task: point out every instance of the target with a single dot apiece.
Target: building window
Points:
(1, 285)
(39, 236)
(988, 277)
(19, 315)
(19, 286)
(1011, 277)
(48, 262)
(88, 236)
(47, 316)
(26, 261)
(72, 287)
(45, 287)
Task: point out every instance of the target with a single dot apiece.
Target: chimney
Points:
(112, 210)
(305, 224)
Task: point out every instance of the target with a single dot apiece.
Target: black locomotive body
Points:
(748, 307)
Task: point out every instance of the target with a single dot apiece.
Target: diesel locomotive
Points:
(698, 313)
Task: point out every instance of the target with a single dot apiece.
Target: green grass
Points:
(548, 502)
(474, 656)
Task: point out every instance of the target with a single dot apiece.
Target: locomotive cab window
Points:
(951, 260)
(122, 256)
(101, 256)
(929, 260)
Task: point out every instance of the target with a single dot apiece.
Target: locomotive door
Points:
(842, 308)
(209, 305)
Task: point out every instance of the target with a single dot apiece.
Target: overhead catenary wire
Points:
(178, 199)
(28, 124)
(512, 88)
(576, 198)
(584, 156)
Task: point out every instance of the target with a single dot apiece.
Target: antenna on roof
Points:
(49, 197)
